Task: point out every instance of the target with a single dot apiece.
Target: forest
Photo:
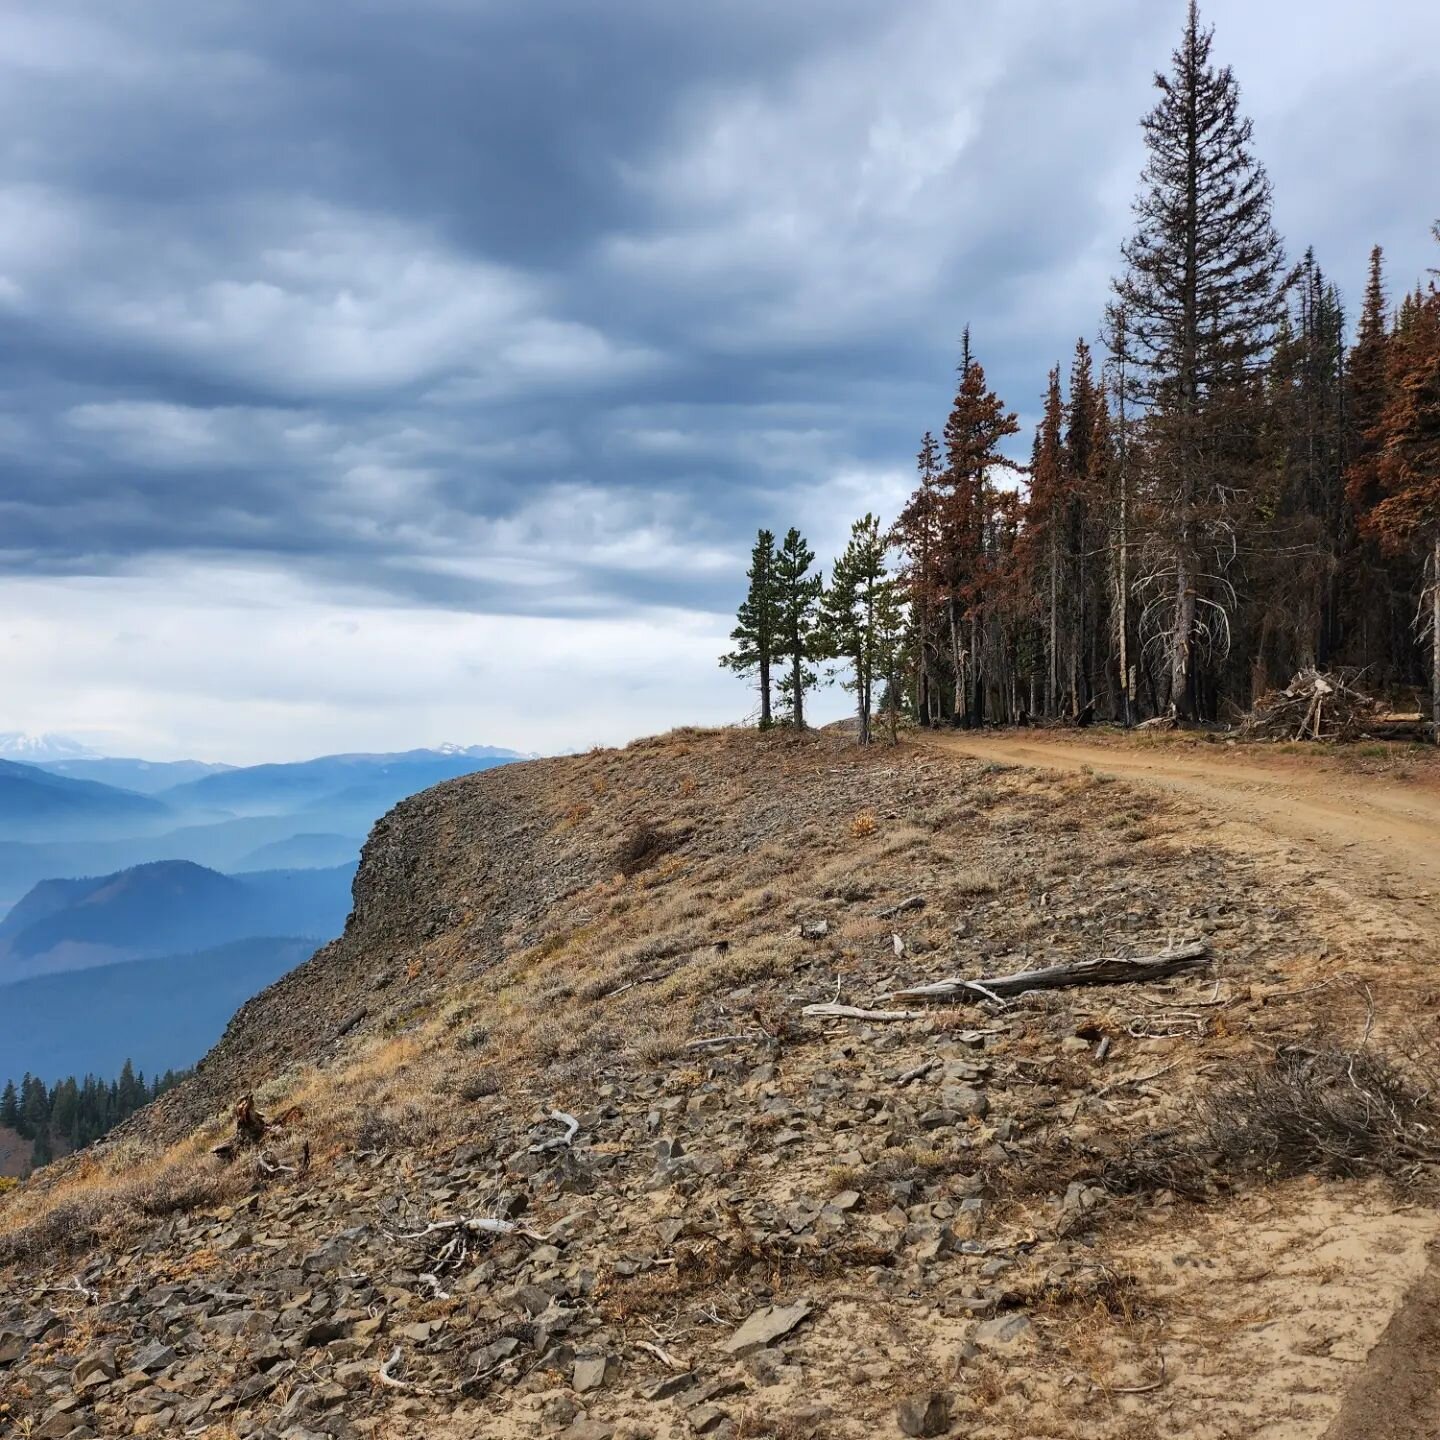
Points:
(73, 1113)
(1235, 485)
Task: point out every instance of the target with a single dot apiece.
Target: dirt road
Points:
(1387, 832)
(1375, 839)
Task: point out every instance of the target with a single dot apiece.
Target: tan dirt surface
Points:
(1377, 837)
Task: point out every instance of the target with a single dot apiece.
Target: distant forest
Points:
(1230, 492)
(72, 1113)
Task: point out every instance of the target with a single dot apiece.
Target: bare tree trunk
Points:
(764, 689)
(1182, 657)
(1122, 593)
(959, 668)
(1052, 699)
(1435, 640)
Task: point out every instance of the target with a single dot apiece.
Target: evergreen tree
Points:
(797, 591)
(34, 1108)
(1300, 527)
(1085, 478)
(1408, 462)
(757, 629)
(9, 1106)
(916, 535)
(859, 615)
(1201, 297)
(1045, 520)
(965, 569)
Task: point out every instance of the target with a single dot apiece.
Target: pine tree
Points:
(1085, 476)
(1201, 297)
(1368, 387)
(1299, 525)
(1407, 466)
(965, 569)
(916, 535)
(9, 1106)
(34, 1108)
(859, 615)
(1119, 460)
(757, 629)
(798, 598)
(1045, 520)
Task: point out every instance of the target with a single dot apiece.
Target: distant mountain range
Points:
(146, 777)
(332, 779)
(162, 908)
(210, 875)
(56, 822)
(35, 803)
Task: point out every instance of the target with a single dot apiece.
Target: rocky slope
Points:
(572, 1159)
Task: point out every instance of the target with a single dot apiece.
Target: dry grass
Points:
(1312, 1109)
(690, 931)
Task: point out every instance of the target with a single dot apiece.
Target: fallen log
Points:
(1105, 970)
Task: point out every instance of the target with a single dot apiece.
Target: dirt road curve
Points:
(1387, 831)
(1385, 836)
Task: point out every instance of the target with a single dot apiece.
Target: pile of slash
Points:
(1315, 705)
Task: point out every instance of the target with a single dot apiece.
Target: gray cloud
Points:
(541, 309)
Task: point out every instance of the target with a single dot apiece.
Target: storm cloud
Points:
(479, 318)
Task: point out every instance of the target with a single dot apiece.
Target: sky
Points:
(393, 372)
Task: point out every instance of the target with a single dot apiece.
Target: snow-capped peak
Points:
(17, 745)
(481, 752)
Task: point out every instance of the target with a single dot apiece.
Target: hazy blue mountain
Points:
(220, 845)
(165, 908)
(301, 852)
(344, 782)
(146, 777)
(161, 1013)
(333, 796)
(36, 805)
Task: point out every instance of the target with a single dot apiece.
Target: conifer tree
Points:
(1085, 467)
(757, 629)
(965, 569)
(797, 591)
(1045, 523)
(1408, 462)
(917, 536)
(9, 1106)
(859, 615)
(1201, 296)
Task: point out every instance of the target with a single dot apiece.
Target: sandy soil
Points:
(1374, 842)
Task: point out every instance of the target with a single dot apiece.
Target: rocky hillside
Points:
(571, 1157)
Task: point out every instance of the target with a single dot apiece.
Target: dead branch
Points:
(719, 1040)
(558, 1142)
(472, 1225)
(831, 1011)
(1106, 970)
(408, 1387)
(251, 1127)
(664, 1356)
(914, 902)
(924, 1068)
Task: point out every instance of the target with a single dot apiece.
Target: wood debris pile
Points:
(1315, 705)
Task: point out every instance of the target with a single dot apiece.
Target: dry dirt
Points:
(965, 1203)
(1365, 836)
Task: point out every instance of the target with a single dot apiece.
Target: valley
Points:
(133, 921)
